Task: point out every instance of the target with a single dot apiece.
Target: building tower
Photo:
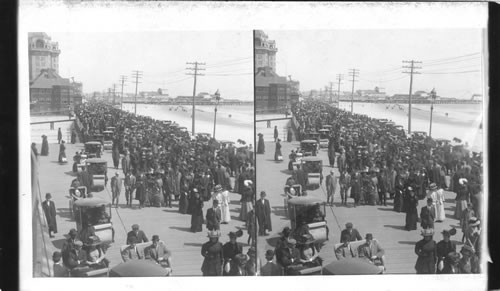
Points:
(265, 51)
(43, 54)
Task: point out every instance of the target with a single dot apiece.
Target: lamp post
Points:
(433, 98)
(217, 99)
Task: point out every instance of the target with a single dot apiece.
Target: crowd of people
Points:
(378, 161)
(162, 163)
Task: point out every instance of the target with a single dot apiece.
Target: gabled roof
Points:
(48, 78)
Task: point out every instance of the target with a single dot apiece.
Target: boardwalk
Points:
(171, 226)
(386, 225)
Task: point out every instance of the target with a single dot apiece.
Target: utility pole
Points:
(354, 74)
(114, 94)
(331, 92)
(411, 72)
(109, 94)
(136, 74)
(339, 78)
(122, 79)
(194, 72)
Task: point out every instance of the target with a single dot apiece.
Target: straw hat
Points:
(213, 233)
(427, 232)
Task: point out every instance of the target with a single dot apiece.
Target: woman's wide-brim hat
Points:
(213, 233)
(433, 186)
(218, 187)
(247, 183)
(462, 181)
(236, 234)
(306, 239)
(427, 232)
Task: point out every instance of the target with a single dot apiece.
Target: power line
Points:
(382, 81)
(447, 73)
(194, 72)
(354, 73)
(472, 66)
(412, 71)
(236, 74)
(137, 75)
(450, 58)
(222, 63)
(451, 62)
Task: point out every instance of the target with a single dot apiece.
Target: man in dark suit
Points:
(263, 213)
(289, 255)
(214, 216)
(139, 235)
(68, 245)
(77, 260)
(270, 268)
(351, 233)
(49, 209)
(372, 251)
(427, 215)
(159, 253)
(300, 177)
(331, 186)
(131, 252)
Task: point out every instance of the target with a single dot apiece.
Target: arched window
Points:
(39, 43)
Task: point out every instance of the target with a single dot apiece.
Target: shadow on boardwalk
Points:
(185, 229)
(400, 227)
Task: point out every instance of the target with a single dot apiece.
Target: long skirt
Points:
(196, 223)
(245, 208)
(461, 205)
(411, 220)
(440, 215)
(183, 204)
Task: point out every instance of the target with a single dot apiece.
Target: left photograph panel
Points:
(142, 159)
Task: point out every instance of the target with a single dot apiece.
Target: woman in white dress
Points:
(223, 197)
(437, 196)
(224, 204)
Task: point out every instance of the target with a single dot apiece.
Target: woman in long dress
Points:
(440, 215)
(411, 210)
(277, 152)
(45, 146)
(462, 197)
(62, 153)
(261, 148)
(223, 197)
(197, 215)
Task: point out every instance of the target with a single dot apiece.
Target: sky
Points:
(99, 59)
(448, 56)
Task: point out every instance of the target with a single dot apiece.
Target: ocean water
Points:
(449, 120)
(233, 122)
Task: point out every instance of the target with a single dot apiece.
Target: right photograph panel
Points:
(369, 154)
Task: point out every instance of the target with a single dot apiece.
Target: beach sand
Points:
(233, 122)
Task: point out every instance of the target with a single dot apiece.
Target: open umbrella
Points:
(138, 268)
(354, 266)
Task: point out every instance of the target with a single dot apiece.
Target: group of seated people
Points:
(370, 250)
(157, 251)
(76, 258)
(293, 255)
